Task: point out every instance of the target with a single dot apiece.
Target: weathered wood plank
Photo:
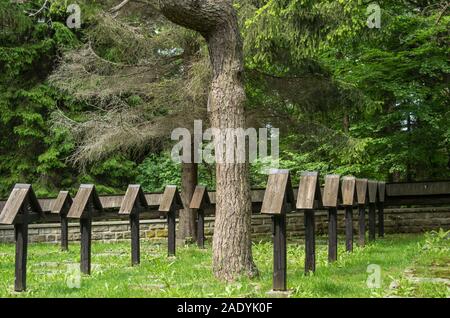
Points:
(418, 188)
(278, 197)
(170, 197)
(362, 193)
(309, 194)
(332, 191)
(200, 198)
(20, 194)
(86, 193)
(373, 191)
(348, 191)
(133, 199)
(60, 204)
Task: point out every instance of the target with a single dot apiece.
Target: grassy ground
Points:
(407, 263)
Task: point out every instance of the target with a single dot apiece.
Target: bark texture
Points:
(216, 20)
(187, 226)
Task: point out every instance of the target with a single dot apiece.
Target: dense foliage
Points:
(348, 99)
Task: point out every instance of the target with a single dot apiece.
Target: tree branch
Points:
(119, 6)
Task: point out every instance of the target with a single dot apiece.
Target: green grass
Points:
(190, 275)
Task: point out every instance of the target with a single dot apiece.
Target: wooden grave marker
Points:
(309, 198)
(278, 200)
(21, 208)
(132, 204)
(332, 195)
(200, 202)
(373, 199)
(381, 198)
(363, 199)
(61, 206)
(169, 205)
(85, 204)
(349, 199)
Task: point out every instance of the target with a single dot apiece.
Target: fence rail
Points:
(397, 194)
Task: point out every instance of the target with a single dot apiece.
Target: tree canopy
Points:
(348, 99)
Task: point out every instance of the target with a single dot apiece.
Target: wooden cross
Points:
(200, 202)
(363, 199)
(61, 206)
(348, 200)
(85, 204)
(332, 195)
(132, 204)
(309, 198)
(20, 209)
(170, 204)
(278, 200)
(381, 198)
(373, 199)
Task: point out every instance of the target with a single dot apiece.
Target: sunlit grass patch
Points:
(53, 273)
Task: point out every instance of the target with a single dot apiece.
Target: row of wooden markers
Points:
(23, 208)
(347, 192)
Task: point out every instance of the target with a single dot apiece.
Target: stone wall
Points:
(396, 221)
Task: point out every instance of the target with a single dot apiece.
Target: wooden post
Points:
(349, 197)
(20, 209)
(363, 198)
(135, 243)
(171, 236)
(61, 206)
(199, 202)
(310, 242)
(381, 196)
(132, 203)
(372, 222)
(308, 199)
(64, 233)
(373, 199)
(349, 229)
(84, 205)
(362, 224)
(278, 200)
(331, 195)
(85, 250)
(279, 252)
(380, 219)
(170, 203)
(200, 228)
(21, 236)
(332, 235)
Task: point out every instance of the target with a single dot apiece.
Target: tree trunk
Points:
(187, 225)
(217, 22)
